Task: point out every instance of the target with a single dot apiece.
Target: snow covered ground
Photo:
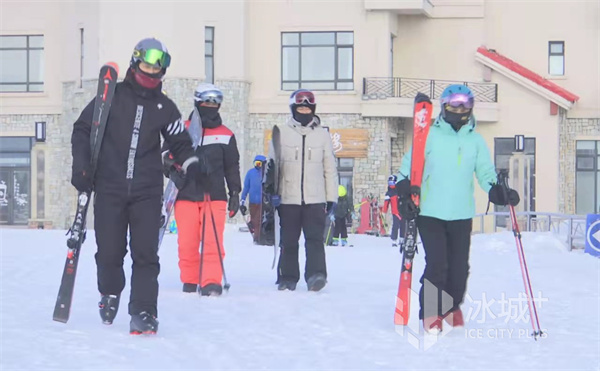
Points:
(348, 325)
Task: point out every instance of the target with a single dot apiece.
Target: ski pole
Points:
(503, 180)
(226, 284)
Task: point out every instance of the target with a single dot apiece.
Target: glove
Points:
(168, 163)
(332, 217)
(501, 195)
(276, 201)
(243, 208)
(195, 173)
(330, 207)
(234, 204)
(81, 180)
(406, 206)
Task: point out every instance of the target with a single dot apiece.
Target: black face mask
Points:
(210, 116)
(304, 118)
(457, 120)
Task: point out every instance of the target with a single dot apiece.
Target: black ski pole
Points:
(226, 284)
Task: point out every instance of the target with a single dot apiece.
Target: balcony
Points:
(424, 7)
(393, 96)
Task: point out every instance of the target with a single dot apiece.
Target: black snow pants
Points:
(444, 280)
(113, 216)
(310, 219)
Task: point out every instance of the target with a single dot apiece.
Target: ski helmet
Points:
(303, 98)
(153, 52)
(457, 95)
(208, 93)
(342, 191)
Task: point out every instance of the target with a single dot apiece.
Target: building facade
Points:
(534, 70)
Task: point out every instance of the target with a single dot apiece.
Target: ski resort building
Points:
(533, 67)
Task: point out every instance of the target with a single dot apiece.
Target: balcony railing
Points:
(400, 87)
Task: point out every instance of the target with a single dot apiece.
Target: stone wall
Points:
(569, 130)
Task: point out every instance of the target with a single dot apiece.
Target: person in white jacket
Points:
(308, 189)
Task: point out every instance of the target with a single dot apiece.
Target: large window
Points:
(587, 164)
(209, 54)
(556, 58)
(317, 60)
(22, 63)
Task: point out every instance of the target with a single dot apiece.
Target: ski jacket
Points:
(219, 148)
(451, 158)
(253, 183)
(343, 208)
(130, 161)
(308, 172)
(391, 199)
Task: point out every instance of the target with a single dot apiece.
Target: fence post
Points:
(482, 230)
(364, 85)
(432, 89)
(528, 222)
(570, 238)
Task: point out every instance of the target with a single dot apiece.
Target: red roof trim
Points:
(527, 73)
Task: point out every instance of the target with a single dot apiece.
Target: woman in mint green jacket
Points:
(454, 152)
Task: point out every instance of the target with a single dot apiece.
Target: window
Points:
(317, 60)
(587, 178)
(556, 58)
(22, 63)
(209, 54)
(503, 156)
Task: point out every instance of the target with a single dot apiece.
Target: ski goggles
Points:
(154, 57)
(258, 163)
(457, 100)
(303, 97)
(212, 96)
(391, 183)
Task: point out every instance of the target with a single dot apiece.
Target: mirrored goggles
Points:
(457, 100)
(391, 183)
(257, 163)
(304, 96)
(154, 57)
(212, 96)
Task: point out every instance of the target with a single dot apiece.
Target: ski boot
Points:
(143, 323)
(336, 242)
(344, 242)
(109, 305)
(455, 318)
(316, 282)
(432, 325)
(286, 285)
(211, 289)
(190, 287)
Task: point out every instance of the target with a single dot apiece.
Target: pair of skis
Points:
(107, 82)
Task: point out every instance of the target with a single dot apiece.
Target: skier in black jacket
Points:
(128, 182)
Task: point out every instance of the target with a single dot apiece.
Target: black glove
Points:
(195, 173)
(234, 204)
(168, 164)
(406, 206)
(243, 208)
(81, 180)
(330, 207)
(501, 195)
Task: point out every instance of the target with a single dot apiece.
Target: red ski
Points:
(421, 124)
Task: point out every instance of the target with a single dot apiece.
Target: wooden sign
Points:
(347, 143)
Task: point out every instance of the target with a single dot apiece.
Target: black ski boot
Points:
(286, 285)
(109, 305)
(143, 323)
(211, 289)
(316, 282)
(190, 287)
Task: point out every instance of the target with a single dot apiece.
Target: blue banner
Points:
(592, 235)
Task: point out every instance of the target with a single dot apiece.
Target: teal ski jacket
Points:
(451, 160)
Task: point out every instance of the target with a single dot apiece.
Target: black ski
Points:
(106, 87)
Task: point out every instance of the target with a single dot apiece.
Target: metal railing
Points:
(570, 227)
(401, 87)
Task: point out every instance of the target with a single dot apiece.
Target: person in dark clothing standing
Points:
(454, 152)
(253, 187)
(343, 210)
(308, 187)
(128, 182)
(206, 201)
(391, 202)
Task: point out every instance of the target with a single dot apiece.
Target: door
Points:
(15, 195)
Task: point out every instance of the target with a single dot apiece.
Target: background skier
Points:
(253, 187)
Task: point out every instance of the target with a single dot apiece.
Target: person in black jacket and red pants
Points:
(205, 201)
(128, 182)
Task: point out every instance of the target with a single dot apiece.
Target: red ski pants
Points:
(190, 216)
